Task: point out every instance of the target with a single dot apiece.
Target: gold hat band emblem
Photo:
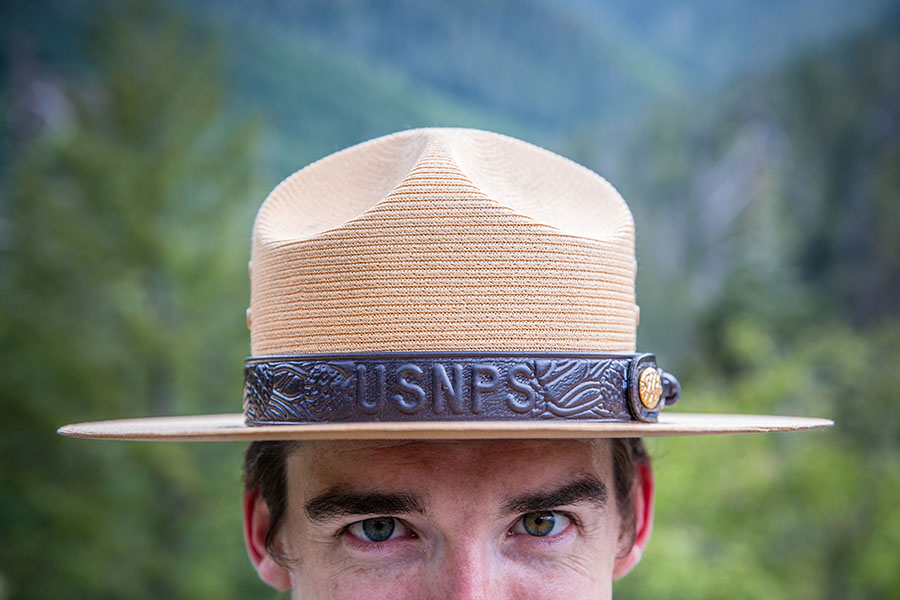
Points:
(650, 389)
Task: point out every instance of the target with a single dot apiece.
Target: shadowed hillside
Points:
(757, 144)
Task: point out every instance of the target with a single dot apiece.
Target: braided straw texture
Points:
(443, 240)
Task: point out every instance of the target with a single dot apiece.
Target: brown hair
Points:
(264, 469)
(627, 454)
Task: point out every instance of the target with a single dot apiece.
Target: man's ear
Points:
(256, 527)
(642, 503)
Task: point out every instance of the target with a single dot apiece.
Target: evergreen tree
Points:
(127, 227)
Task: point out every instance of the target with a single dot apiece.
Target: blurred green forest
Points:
(758, 145)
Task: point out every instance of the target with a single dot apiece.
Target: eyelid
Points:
(402, 529)
(563, 520)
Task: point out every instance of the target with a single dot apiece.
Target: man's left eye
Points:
(541, 524)
(378, 529)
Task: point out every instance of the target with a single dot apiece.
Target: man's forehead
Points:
(472, 449)
(405, 462)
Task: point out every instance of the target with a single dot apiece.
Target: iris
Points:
(539, 523)
(378, 529)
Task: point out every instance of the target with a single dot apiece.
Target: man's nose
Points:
(466, 572)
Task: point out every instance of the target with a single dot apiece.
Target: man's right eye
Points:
(379, 529)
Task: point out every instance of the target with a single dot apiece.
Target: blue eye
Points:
(378, 529)
(541, 524)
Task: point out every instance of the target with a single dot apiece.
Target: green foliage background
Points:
(139, 138)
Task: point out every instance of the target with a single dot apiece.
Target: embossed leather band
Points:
(455, 387)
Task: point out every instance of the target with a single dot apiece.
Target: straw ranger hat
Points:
(444, 283)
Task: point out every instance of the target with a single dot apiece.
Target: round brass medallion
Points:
(650, 387)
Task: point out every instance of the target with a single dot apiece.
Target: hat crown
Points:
(443, 240)
(453, 283)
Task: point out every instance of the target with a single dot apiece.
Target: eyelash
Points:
(397, 526)
(347, 529)
(573, 521)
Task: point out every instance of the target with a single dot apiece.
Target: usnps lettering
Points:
(467, 387)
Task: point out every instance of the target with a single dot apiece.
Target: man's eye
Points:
(378, 529)
(541, 524)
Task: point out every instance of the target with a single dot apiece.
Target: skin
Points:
(461, 512)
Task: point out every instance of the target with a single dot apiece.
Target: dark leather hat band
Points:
(455, 387)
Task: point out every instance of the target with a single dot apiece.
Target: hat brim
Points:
(231, 427)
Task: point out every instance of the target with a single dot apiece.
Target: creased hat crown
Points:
(444, 284)
(436, 240)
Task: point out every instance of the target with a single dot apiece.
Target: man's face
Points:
(454, 519)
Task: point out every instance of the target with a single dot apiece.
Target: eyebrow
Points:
(339, 503)
(584, 489)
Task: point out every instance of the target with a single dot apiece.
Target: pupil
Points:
(378, 530)
(539, 523)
